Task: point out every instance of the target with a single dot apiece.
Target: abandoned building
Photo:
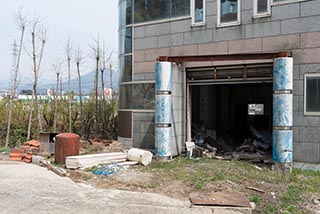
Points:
(223, 68)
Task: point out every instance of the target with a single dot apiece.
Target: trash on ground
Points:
(108, 169)
(142, 156)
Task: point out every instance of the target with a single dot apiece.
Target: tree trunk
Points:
(80, 96)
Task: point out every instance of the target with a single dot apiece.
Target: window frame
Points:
(192, 13)
(308, 113)
(227, 24)
(261, 15)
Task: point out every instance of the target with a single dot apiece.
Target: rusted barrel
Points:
(67, 144)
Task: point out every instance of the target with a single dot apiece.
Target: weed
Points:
(254, 198)
(4, 149)
(270, 209)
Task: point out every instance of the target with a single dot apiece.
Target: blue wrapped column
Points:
(163, 111)
(282, 110)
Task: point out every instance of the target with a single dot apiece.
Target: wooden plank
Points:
(233, 199)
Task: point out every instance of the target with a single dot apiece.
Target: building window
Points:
(198, 12)
(312, 94)
(261, 8)
(228, 12)
(137, 96)
(153, 10)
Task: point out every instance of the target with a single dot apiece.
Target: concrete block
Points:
(304, 56)
(310, 8)
(150, 76)
(309, 121)
(245, 46)
(177, 39)
(213, 48)
(246, 17)
(310, 40)
(296, 103)
(306, 152)
(286, 11)
(144, 67)
(195, 37)
(229, 33)
(139, 32)
(262, 29)
(308, 68)
(297, 87)
(247, 5)
(278, 43)
(180, 26)
(170, 40)
(295, 133)
(153, 54)
(157, 29)
(296, 72)
(211, 8)
(300, 25)
(211, 22)
(139, 77)
(309, 134)
(145, 43)
(184, 50)
(139, 56)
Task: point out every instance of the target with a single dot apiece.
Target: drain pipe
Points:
(163, 111)
(282, 114)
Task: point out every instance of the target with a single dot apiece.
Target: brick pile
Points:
(25, 152)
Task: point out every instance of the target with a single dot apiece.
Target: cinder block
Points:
(195, 37)
(306, 152)
(150, 76)
(295, 134)
(153, 54)
(247, 5)
(158, 29)
(180, 26)
(297, 87)
(246, 17)
(310, 8)
(211, 8)
(286, 11)
(310, 40)
(245, 46)
(139, 56)
(309, 134)
(296, 103)
(211, 22)
(184, 50)
(309, 121)
(300, 25)
(144, 67)
(170, 40)
(139, 32)
(213, 48)
(262, 29)
(308, 68)
(296, 72)
(145, 43)
(304, 56)
(228, 33)
(277, 43)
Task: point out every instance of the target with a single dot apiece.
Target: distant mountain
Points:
(87, 83)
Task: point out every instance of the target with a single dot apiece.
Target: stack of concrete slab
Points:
(86, 161)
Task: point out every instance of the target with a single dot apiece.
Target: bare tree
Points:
(111, 77)
(68, 50)
(57, 68)
(79, 58)
(21, 19)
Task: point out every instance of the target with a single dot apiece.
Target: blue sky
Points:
(81, 20)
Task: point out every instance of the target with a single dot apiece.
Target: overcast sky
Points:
(81, 20)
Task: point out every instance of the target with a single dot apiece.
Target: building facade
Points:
(220, 93)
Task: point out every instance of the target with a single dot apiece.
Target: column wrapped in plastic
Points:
(282, 146)
(163, 111)
(163, 76)
(282, 110)
(283, 74)
(163, 142)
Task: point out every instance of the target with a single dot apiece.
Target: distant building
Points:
(227, 56)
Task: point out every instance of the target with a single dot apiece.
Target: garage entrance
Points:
(231, 106)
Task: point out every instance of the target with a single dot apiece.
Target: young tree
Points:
(68, 50)
(79, 58)
(21, 20)
(57, 68)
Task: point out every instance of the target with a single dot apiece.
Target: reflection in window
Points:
(198, 11)
(312, 94)
(125, 13)
(126, 68)
(125, 40)
(228, 12)
(126, 99)
(261, 8)
(144, 95)
(151, 10)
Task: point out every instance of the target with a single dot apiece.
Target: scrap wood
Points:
(232, 199)
(255, 189)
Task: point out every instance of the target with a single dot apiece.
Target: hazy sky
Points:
(81, 20)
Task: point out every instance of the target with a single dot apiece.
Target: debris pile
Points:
(25, 152)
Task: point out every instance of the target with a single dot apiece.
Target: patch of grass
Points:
(4, 149)
(254, 198)
(270, 209)
(292, 198)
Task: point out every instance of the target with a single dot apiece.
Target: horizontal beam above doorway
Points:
(224, 57)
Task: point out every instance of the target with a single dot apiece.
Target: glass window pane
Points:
(125, 13)
(149, 10)
(198, 11)
(125, 122)
(262, 6)
(313, 94)
(126, 68)
(180, 8)
(129, 12)
(125, 40)
(125, 99)
(229, 11)
(144, 96)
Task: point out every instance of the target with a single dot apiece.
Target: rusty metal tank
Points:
(67, 144)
